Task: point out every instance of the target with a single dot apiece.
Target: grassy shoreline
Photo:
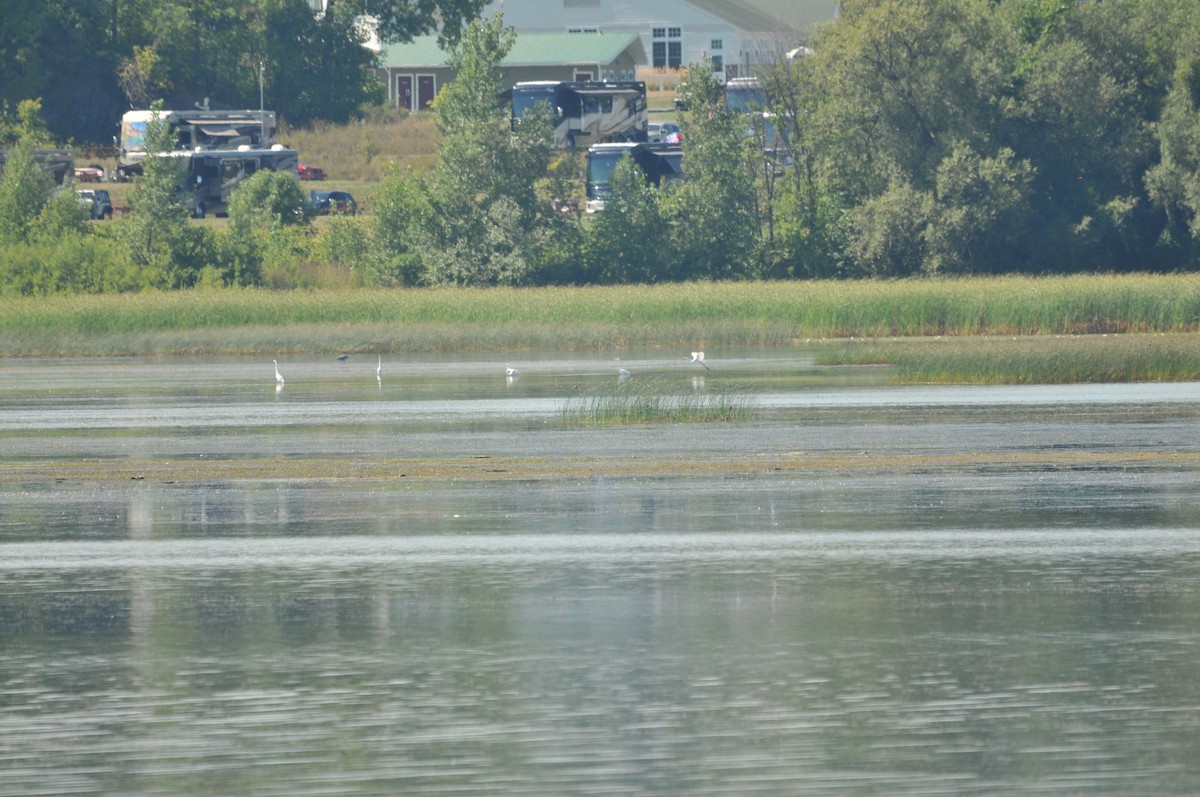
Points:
(1002, 329)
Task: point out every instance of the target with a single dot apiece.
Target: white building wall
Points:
(697, 29)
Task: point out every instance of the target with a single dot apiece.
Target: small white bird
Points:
(379, 368)
(698, 358)
(623, 373)
(278, 376)
(510, 372)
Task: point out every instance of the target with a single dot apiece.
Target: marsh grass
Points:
(652, 401)
(702, 314)
(1054, 359)
(365, 151)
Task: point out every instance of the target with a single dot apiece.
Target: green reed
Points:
(699, 314)
(650, 401)
(1056, 359)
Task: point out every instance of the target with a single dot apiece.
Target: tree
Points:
(480, 211)
(714, 232)
(623, 244)
(25, 189)
(401, 20)
(160, 243)
(260, 211)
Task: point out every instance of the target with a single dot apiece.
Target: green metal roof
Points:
(530, 49)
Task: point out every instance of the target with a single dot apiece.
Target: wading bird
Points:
(510, 372)
(379, 368)
(278, 376)
(698, 358)
(343, 357)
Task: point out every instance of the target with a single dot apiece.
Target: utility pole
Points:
(262, 116)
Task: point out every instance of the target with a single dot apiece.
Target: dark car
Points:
(97, 201)
(327, 202)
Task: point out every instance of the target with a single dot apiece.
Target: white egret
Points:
(278, 376)
(510, 372)
(698, 358)
(379, 368)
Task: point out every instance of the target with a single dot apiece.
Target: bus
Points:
(661, 163)
(587, 112)
(212, 175)
(193, 130)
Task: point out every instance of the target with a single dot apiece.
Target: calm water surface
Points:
(983, 626)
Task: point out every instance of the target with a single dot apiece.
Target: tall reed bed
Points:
(649, 402)
(1054, 359)
(701, 314)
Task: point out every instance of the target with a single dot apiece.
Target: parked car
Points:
(310, 172)
(97, 201)
(327, 202)
(89, 174)
(664, 133)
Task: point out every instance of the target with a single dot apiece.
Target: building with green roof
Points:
(415, 71)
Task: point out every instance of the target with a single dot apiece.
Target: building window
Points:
(660, 54)
(716, 44)
(583, 30)
(718, 63)
(666, 48)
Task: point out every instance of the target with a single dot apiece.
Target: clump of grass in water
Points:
(654, 402)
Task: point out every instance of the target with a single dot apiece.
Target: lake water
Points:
(865, 590)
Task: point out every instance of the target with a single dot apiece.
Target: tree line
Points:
(917, 137)
(89, 62)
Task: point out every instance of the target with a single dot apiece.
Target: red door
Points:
(425, 92)
(404, 92)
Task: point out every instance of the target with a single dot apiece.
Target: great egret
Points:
(698, 358)
(278, 376)
(379, 368)
(510, 372)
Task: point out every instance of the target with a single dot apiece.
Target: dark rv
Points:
(58, 163)
(587, 112)
(661, 163)
(213, 174)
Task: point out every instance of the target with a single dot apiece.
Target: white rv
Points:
(194, 130)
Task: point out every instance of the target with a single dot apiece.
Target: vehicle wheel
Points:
(108, 215)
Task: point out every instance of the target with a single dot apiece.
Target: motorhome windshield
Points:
(745, 97)
(600, 168)
(523, 99)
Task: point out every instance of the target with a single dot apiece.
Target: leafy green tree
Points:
(624, 242)
(25, 189)
(479, 208)
(715, 230)
(160, 244)
(260, 210)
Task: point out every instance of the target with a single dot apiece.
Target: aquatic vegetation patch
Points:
(651, 401)
(1053, 359)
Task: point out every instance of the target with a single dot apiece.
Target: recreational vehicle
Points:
(57, 163)
(661, 163)
(213, 174)
(193, 130)
(587, 112)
